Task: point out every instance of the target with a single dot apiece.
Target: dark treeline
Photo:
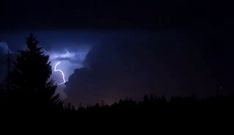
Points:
(31, 91)
(160, 106)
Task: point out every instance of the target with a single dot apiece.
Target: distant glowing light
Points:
(60, 71)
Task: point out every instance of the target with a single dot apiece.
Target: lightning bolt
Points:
(60, 71)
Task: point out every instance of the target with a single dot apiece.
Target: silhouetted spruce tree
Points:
(31, 86)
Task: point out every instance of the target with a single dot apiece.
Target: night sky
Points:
(112, 49)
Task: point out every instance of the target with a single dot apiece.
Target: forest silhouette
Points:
(30, 89)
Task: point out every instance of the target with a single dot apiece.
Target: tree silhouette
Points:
(30, 83)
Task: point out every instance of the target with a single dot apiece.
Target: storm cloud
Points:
(168, 63)
(3, 61)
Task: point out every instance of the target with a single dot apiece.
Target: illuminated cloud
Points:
(64, 63)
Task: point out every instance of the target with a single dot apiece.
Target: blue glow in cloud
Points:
(64, 63)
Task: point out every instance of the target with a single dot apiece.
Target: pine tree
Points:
(31, 85)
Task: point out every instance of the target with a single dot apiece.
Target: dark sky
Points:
(128, 48)
(115, 13)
